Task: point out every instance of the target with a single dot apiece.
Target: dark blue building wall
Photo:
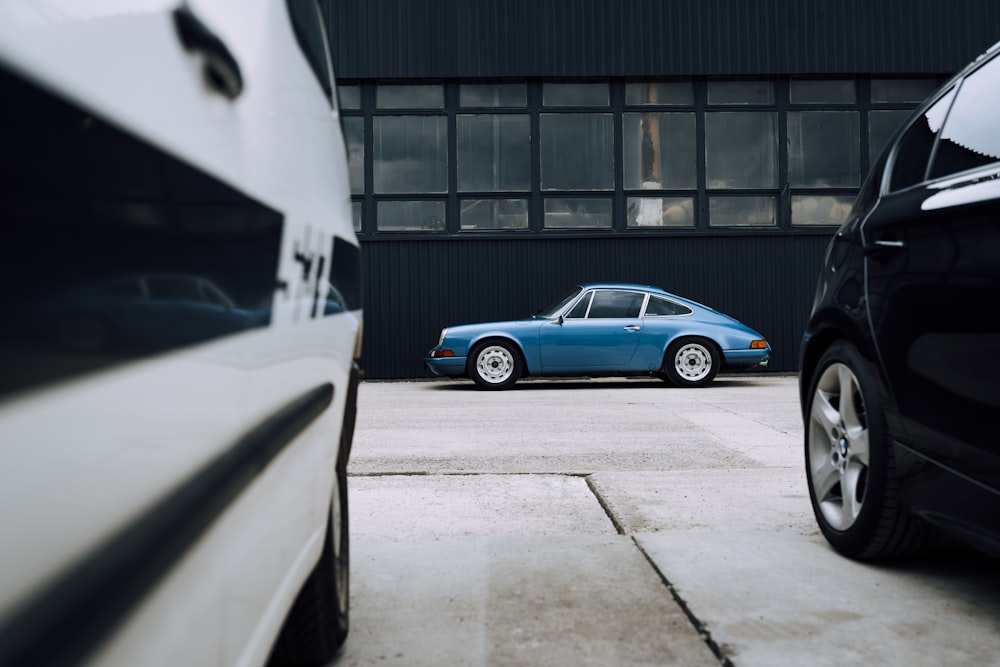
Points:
(404, 39)
(415, 286)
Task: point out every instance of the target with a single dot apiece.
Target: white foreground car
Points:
(181, 315)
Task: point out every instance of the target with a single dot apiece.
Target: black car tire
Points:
(871, 522)
(317, 623)
(691, 362)
(495, 364)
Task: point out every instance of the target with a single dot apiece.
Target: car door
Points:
(600, 333)
(933, 277)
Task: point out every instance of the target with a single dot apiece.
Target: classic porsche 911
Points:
(603, 329)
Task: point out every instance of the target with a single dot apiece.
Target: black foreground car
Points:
(900, 379)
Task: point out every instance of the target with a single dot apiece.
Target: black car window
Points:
(174, 289)
(971, 136)
(580, 309)
(613, 304)
(660, 307)
(909, 165)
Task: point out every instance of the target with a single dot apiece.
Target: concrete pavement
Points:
(614, 522)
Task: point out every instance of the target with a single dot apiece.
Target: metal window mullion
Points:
(369, 217)
(618, 207)
(536, 213)
(783, 201)
(701, 188)
(452, 224)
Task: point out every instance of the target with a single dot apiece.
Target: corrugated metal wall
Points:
(414, 288)
(402, 39)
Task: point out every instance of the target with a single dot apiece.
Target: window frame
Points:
(696, 200)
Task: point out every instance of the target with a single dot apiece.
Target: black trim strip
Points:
(70, 617)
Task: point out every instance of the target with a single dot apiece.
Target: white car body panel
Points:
(82, 457)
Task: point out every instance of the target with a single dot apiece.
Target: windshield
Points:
(560, 304)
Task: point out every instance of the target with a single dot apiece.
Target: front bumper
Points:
(446, 366)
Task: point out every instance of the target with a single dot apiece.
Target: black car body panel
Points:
(912, 281)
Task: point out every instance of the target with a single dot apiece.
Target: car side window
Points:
(581, 307)
(970, 138)
(909, 165)
(660, 307)
(616, 304)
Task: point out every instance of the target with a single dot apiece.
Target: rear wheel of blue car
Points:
(495, 365)
(850, 464)
(691, 362)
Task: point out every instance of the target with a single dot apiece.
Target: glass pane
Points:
(661, 212)
(740, 92)
(411, 216)
(494, 152)
(615, 305)
(575, 95)
(354, 133)
(909, 166)
(409, 97)
(350, 97)
(741, 211)
(824, 149)
(659, 151)
(356, 213)
(881, 126)
(494, 214)
(577, 152)
(660, 307)
(896, 91)
(820, 209)
(827, 91)
(410, 154)
(672, 93)
(493, 95)
(970, 138)
(564, 213)
(581, 307)
(741, 150)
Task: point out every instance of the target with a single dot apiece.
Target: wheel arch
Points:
(678, 340)
(475, 344)
(825, 329)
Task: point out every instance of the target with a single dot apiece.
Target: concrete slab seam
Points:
(612, 515)
(695, 621)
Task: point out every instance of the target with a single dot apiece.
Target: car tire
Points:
(495, 364)
(850, 465)
(317, 623)
(691, 362)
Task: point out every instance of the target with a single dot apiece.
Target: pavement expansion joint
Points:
(695, 621)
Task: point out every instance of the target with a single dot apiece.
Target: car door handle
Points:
(222, 72)
(632, 327)
(882, 248)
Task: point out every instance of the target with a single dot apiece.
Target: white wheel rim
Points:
(693, 362)
(838, 446)
(495, 364)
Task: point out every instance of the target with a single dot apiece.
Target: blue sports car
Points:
(603, 329)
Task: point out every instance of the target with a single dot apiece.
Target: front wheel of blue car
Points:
(495, 365)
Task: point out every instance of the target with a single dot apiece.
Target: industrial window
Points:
(670, 156)
(577, 152)
(824, 149)
(822, 91)
(410, 154)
